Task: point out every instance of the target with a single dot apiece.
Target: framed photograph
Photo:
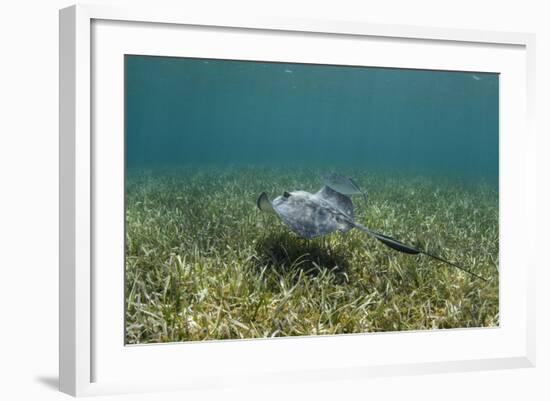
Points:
(272, 200)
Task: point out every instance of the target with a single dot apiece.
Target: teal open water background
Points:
(205, 112)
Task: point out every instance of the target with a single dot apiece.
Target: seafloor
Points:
(203, 263)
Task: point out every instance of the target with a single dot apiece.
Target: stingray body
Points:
(330, 209)
(312, 215)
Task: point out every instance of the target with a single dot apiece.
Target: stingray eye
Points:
(286, 194)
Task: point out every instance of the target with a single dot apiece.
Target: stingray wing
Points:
(337, 200)
(343, 185)
(307, 215)
(264, 204)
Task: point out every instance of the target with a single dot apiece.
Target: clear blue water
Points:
(195, 112)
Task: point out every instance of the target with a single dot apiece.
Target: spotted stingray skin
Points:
(313, 215)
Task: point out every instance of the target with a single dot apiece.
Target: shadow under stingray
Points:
(286, 253)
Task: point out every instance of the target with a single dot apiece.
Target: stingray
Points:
(343, 185)
(312, 215)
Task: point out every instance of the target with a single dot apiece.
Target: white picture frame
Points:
(92, 357)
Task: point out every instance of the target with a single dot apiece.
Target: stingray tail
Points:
(401, 247)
